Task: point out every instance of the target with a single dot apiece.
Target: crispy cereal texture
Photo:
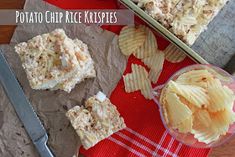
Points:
(53, 61)
(95, 121)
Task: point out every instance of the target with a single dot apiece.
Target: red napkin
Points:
(145, 134)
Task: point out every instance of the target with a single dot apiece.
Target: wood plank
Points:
(226, 150)
(11, 4)
(7, 31)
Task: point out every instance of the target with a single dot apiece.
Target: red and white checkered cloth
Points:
(145, 134)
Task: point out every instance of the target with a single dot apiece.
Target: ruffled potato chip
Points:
(194, 94)
(155, 63)
(146, 89)
(202, 118)
(174, 54)
(149, 47)
(210, 102)
(220, 122)
(223, 119)
(131, 83)
(138, 80)
(192, 107)
(131, 38)
(228, 91)
(186, 126)
(177, 111)
(221, 96)
(205, 135)
(195, 77)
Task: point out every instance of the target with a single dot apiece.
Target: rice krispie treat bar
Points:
(159, 9)
(190, 18)
(185, 18)
(54, 61)
(97, 120)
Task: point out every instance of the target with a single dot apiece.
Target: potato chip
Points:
(177, 111)
(131, 38)
(232, 97)
(205, 135)
(185, 126)
(218, 126)
(149, 47)
(163, 96)
(210, 102)
(221, 96)
(155, 63)
(130, 83)
(194, 94)
(138, 80)
(146, 89)
(192, 107)
(195, 77)
(154, 75)
(134, 81)
(174, 54)
(218, 75)
(202, 118)
(223, 119)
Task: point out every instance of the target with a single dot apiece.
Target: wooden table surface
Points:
(226, 150)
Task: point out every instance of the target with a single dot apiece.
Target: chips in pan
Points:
(149, 47)
(131, 38)
(173, 54)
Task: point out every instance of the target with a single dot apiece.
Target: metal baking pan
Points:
(163, 31)
(216, 45)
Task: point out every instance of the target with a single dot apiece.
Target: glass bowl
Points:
(188, 138)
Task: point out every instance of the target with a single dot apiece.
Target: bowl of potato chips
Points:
(197, 105)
